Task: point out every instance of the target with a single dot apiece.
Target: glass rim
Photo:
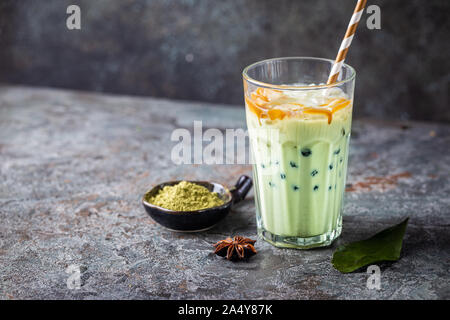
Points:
(294, 87)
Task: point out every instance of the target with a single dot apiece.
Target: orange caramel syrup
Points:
(263, 103)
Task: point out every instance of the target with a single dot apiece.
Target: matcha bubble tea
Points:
(299, 130)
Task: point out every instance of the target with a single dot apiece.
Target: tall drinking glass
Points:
(299, 131)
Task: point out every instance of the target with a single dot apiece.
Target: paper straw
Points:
(351, 29)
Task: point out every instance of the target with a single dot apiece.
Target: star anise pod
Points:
(237, 248)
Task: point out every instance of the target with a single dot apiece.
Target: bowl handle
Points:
(241, 188)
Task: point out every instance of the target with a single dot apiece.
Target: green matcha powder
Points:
(185, 196)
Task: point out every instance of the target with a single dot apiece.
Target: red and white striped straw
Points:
(351, 29)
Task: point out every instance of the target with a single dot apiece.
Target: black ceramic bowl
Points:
(199, 220)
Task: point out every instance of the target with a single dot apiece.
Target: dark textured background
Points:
(140, 47)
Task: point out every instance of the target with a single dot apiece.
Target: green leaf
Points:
(384, 246)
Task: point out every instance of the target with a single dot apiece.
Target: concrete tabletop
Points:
(74, 166)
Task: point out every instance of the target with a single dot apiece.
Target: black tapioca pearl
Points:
(340, 160)
(314, 172)
(277, 162)
(337, 151)
(330, 167)
(295, 188)
(316, 188)
(306, 152)
(262, 166)
(343, 132)
(329, 188)
(293, 164)
(271, 184)
(283, 176)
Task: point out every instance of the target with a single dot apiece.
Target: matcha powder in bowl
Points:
(185, 196)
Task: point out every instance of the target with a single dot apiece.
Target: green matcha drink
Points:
(299, 136)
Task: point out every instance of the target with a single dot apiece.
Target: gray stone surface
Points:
(73, 167)
(197, 49)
